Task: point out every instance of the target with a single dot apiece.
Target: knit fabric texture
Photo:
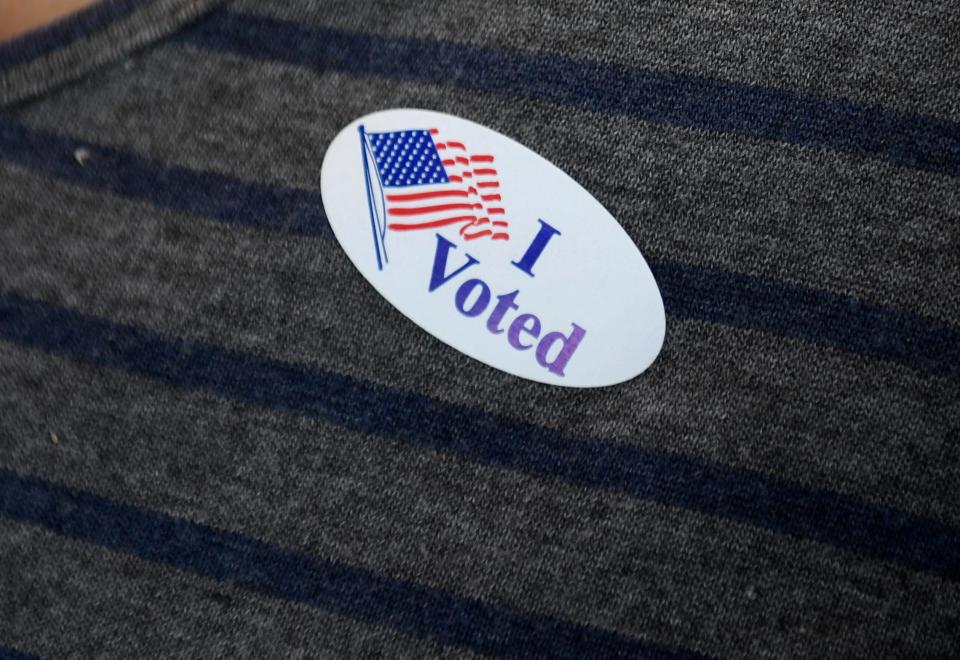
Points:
(216, 439)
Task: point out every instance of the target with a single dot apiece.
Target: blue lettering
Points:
(536, 248)
(463, 294)
(473, 298)
(437, 275)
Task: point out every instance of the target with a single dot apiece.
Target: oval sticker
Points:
(491, 248)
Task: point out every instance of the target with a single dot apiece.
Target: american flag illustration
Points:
(420, 180)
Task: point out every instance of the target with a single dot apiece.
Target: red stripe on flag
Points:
(408, 226)
(459, 170)
(475, 223)
(426, 195)
(479, 234)
(420, 210)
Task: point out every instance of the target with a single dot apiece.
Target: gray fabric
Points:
(804, 413)
(900, 55)
(715, 200)
(144, 25)
(264, 294)
(132, 608)
(669, 575)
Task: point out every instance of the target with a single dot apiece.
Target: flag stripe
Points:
(431, 224)
(420, 210)
(413, 197)
(477, 234)
(407, 159)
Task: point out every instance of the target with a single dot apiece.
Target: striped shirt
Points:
(217, 439)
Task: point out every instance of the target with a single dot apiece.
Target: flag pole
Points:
(366, 175)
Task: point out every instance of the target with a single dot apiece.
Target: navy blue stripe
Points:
(687, 101)
(7, 653)
(163, 184)
(281, 573)
(63, 32)
(473, 435)
(819, 317)
(689, 291)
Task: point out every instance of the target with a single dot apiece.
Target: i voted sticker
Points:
(491, 248)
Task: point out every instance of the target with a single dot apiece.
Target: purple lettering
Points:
(568, 346)
(503, 306)
(524, 323)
